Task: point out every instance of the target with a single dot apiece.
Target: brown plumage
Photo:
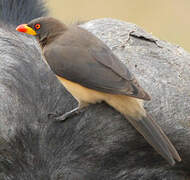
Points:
(92, 73)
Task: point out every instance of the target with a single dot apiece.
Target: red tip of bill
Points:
(21, 28)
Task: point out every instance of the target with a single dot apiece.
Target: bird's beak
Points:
(26, 29)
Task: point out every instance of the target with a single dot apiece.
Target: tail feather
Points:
(133, 110)
(154, 135)
(170, 145)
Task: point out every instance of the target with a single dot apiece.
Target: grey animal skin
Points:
(98, 144)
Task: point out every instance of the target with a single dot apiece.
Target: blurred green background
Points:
(166, 19)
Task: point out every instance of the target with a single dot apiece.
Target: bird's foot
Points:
(69, 114)
(66, 115)
(53, 115)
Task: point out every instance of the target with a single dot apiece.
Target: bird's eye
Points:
(37, 26)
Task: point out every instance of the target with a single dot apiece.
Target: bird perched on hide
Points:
(92, 73)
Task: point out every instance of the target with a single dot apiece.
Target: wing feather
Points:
(94, 67)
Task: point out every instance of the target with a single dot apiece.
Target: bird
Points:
(92, 73)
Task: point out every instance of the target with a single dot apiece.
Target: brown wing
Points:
(94, 67)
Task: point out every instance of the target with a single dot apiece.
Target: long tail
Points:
(15, 12)
(133, 110)
(154, 135)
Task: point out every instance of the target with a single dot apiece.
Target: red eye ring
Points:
(37, 26)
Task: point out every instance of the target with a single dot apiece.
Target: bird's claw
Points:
(53, 115)
(64, 116)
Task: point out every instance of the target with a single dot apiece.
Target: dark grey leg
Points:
(69, 114)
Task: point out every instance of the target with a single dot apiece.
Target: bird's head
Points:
(42, 27)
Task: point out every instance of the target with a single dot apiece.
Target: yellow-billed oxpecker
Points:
(89, 70)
